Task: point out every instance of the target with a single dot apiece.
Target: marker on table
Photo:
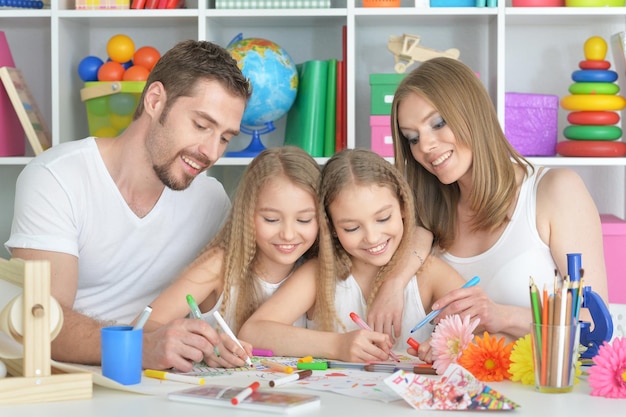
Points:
(262, 352)
(359, 322)
(245, 393)
(277, 366)
(195, 311)
(188, 379)
(435, 313)
(290, 378)
(143, 318)
(230, 333)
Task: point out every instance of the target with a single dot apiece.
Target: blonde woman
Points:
(492, 213)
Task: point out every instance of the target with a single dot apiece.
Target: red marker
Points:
(245, 393)
(413, 343)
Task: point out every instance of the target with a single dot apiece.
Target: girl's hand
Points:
(228, 354)
(425, 352)
(364, 346)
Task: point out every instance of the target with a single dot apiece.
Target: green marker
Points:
(314, 366)
(195, 311)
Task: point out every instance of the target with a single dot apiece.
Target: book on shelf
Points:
(11, 132)
(331, 109)
(305, 125)
(26, 108)
(265, 400)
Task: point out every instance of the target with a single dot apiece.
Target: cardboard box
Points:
(614, 240)
(382, 143)
(383, 87)
(530, 123)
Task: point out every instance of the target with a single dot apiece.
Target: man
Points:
(119, 218)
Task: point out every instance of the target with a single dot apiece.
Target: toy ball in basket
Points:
(110, 105)
(113, 87)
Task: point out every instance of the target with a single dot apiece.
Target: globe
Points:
(274, 80)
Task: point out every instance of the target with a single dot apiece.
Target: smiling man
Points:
(119, 218)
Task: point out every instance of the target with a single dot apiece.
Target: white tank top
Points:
(505, 268)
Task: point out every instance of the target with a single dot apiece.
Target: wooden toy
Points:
(594, 88)
(406, 51)
(33, 379)
(594, 76)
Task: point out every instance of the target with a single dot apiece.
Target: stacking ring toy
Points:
(594, 76)
(594, 88)
(592, 132)
(578, 102)
(593, 118)
(594, 64)
(591, 148)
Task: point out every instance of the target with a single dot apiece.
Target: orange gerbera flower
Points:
(488, 359)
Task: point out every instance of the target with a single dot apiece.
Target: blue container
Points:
(452, 3)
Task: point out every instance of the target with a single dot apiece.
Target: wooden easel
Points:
(32, 378)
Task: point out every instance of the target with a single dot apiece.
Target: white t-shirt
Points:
(66, 201)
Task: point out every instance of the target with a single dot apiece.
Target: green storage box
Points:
(383, 87)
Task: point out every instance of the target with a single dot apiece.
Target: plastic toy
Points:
(602, 324)
(146, 56)
(111, 71)
(136, 73)
(88, 68)
(406, 51)
(121, 48)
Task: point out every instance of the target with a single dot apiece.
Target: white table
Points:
(112, 403)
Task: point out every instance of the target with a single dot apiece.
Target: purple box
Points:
(530, 123)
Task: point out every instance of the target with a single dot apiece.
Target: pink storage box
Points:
(530, 123)
(614, 239)
(382, 143)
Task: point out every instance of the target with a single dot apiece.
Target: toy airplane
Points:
(406, 51)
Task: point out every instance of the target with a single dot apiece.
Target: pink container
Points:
(538, 3)
(382, 143)
(614, 239)
(12, 138)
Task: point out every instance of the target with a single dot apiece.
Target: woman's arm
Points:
(385, 313)
(270, 327)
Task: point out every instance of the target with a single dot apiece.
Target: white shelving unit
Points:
(526, 50)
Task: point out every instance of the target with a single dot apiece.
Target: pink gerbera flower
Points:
(451, 336)
(607, 376)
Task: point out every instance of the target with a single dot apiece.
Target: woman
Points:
(491, 212)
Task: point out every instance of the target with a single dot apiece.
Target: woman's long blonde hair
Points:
(349, 168)
(237, 238)
(455, 91)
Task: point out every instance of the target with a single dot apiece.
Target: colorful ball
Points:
(105, 132)
(98, 106)
(120, 122)
(88, 68)
(120, 48)
(111, 71)
(146, 56)
(122, 104)
(136, 73)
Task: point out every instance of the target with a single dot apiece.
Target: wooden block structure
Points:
(32, 378)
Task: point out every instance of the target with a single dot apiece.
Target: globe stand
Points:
(256, 146)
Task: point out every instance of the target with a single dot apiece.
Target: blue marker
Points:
(435, 313)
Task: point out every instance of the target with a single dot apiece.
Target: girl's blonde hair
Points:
(237, 238)
(349, 168)
(455, 91)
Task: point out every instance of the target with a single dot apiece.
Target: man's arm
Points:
(79, 339)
